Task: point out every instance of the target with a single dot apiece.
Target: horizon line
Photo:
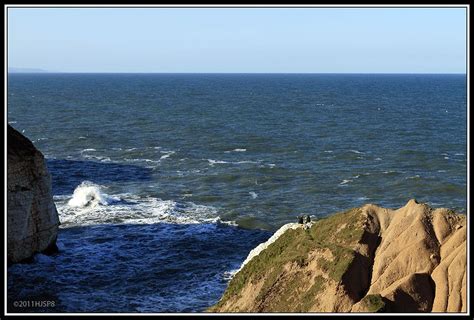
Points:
(132, 72)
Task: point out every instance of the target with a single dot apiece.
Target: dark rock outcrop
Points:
(32, 218)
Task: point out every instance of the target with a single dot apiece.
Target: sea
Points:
(165, 182)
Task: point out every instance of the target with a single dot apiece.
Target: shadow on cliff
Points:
(68, 174)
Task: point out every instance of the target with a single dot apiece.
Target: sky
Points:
(238, 40)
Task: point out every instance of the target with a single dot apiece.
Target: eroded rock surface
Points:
(32, 218)
(368, 259)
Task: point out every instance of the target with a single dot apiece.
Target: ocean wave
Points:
(90, 194)
(100, 158)
(254, 195)
(167, 154)
(356, 151)
(345, 182)
(213, 162)
(90, 205)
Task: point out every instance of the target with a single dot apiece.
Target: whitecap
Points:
(213, 162)
(167, 154)
(345, 181)
(89, 194)
(90, 205)
(254, 195)
(246, 161)
(88, 150)
(356, 151)
(328, 151)
(378, 159)
(100, 158)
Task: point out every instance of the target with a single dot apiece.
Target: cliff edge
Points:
(367, 259)
(32, 218)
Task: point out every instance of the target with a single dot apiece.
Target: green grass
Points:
(294, 246)
(373, 302)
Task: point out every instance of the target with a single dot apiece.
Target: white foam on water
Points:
(88, 150)
(213, 162)
(100, 158)
(459, 154)
(90, 205)
(446, 158)
(90, 194)
(356, 151)
(378, 159)
(254, 195)
(328, 151)
(345, 181)
(167, 154)
(246, 161)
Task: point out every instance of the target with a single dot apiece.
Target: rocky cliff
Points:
(367, 259)
(32, 219)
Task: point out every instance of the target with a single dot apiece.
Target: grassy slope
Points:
(339, 233)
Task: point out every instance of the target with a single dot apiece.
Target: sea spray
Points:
(90, 194)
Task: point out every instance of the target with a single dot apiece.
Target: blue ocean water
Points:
(165, 182)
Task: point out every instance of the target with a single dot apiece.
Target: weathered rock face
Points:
(367, 259)
(32, 219)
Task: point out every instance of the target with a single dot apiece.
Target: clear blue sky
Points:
(402, 40)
